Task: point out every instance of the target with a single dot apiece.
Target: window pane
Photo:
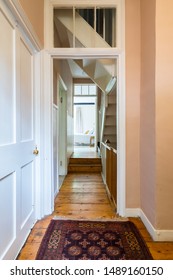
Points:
(92, 90)
(84, 89)
(84, 30)
(87, 15)
(63, 38)
(77, 90)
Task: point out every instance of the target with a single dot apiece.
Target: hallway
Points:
(84, 196)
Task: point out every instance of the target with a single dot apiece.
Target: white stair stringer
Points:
(96, 71)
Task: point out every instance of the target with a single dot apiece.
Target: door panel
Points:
(26, 93)
(7, 210)
(17, 142)
(6, 81)
(26, 192)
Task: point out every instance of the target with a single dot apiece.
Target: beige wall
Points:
(149, 68)
(132, 103)
(164, 113)
(34, 10)
(147, 114)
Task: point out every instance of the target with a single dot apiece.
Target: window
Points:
(90, 27)
(85, 89)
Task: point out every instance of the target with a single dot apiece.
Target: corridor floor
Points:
(83, 196)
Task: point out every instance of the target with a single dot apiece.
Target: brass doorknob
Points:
(36, 152)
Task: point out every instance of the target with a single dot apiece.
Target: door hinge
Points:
(61, 99)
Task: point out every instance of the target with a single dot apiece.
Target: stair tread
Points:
(78, 164)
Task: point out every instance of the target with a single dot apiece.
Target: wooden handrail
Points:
(109, 147)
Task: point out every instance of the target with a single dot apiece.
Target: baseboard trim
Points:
(152, 231)
(157, 235)
(132, 212)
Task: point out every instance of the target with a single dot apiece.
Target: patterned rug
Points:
(92, 240)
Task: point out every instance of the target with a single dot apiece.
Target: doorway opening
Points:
(85, 117)
(85, 93)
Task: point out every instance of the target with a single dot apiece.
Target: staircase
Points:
(96, 71)
(80, 34)
(85, 165)
(85, 36)
(110, 121)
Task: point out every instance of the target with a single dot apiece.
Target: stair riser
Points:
(111, 111)
(112, 99)
(110, 121)
(84, 169)
(110, 131)
(85, 161)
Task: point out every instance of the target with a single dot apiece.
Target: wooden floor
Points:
(83, 196)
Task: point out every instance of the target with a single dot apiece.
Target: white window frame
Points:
(62, 53)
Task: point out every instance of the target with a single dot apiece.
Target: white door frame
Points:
(119, 54)
(62, 137)
(48, 94)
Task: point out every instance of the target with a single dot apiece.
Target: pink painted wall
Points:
(164, 113)
(34, 10)
(149, 99)
(147, 111)
(133, 52)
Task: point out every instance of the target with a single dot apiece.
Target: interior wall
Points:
(147, 110)
(67, 78)
(133, 53)
(164, 112)
(61, 68)
(34, 10)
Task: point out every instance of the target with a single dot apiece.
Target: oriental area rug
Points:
(92, 240)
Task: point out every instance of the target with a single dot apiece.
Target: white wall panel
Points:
(8, 211)
(26, 93)
(26, 192)
(7, 117)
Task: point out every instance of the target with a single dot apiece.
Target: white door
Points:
(16, 140)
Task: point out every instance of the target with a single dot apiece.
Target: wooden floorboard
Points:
(83, 196)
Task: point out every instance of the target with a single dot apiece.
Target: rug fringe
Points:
(113, 219)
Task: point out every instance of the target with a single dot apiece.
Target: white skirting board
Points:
(156, 234)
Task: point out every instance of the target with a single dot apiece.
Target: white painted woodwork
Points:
(17, 142)
(26, 192)
(95, 53)
(7, 100)
(26, 93)
(96, 71)
(55, 150)
(7, 210)
(62, 134)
